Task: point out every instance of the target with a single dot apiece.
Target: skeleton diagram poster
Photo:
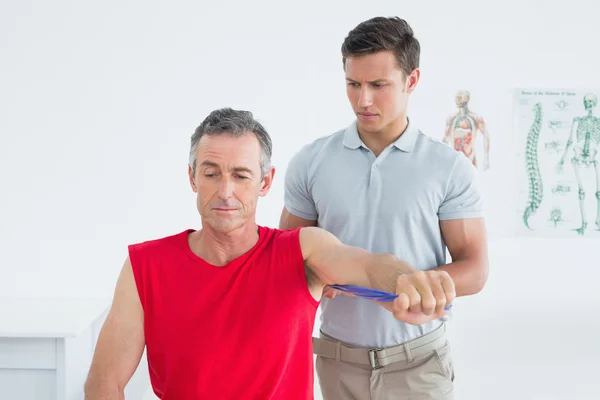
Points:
(558, 165)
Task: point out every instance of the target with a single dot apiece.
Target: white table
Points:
(46, 346)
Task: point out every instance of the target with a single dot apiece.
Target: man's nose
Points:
(225, 188)
(365, 99)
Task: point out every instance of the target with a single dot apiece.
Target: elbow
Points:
(481, 277)
(95, 389)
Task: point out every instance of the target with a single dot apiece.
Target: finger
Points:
(423, 285)
(428, 300)
(449, 289)
(440, 296)
(329, 292)
(387, 305)
(401, 306)
(414, 298)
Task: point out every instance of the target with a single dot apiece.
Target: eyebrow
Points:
(235, 169)
(381, 80)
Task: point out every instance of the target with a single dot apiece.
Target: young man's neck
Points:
(377, 141)
(220, 248)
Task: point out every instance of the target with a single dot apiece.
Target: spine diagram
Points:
(533, 169)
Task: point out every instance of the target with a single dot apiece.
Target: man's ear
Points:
(412, 80)
(267, 181)
(192, 180)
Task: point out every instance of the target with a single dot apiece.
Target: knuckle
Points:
(445, 275)
(421, 275)
(428, 304)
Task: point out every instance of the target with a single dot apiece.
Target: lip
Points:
(367, 115)
(224, 209)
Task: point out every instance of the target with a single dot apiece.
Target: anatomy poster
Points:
(466, 132)
(558, 166)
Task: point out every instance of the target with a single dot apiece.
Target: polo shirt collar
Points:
(406, 141)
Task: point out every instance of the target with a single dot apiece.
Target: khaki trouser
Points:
(419, 369)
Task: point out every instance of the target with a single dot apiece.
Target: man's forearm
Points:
(469, 276)
(384, 270)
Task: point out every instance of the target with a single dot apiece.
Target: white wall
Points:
(99, 100)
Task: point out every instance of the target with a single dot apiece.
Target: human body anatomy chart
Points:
(558, 165)
(464, 128)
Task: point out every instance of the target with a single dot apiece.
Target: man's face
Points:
(228, 180)
(378, 90)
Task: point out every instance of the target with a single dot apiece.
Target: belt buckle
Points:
(373, 360)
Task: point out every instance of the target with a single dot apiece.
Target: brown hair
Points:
(384, 34)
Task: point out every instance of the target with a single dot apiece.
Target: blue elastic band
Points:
(371, 294)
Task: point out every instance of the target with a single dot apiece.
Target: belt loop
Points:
(409, 357)
(338, 350)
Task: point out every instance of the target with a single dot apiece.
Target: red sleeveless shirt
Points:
(238, 331)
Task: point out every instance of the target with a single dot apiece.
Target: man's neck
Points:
(377, 141)
(220, 248)
(463, 110)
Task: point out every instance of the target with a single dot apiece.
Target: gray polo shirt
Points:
(387, 204)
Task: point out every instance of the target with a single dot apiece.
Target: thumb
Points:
(401, 306)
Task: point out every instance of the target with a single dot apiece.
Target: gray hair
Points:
(227, 121)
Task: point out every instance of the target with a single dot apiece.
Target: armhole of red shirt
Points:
(297, 255)
(136, 266)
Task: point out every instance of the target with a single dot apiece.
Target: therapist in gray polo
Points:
(383, 185)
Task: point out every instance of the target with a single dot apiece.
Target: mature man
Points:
(227, 312)
(382, 185)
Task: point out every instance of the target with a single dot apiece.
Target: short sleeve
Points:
(297, 199)
(137, 265)
(463, 197)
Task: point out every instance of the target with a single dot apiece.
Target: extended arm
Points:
(422, 295)
(467, 243)
(120, 343)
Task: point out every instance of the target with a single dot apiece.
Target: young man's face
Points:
(378, 90)
(228, 180)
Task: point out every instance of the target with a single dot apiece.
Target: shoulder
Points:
(323, 143)
(161, 243)
(434, 150)
(303, 163)
(438, 161)
(277, 236)
(307, 238)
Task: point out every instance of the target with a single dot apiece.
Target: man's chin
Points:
(225, 225)
(369, 126)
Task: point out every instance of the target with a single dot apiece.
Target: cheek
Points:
(386, 101)
(246, 191)
(205, 190)
(352, 96)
